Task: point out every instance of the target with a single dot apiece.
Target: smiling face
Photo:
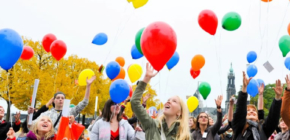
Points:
(282, 125)
(203, 119)
(58, 100)
(44, 125)
(2, 111)
(252, 113)
(172, 107)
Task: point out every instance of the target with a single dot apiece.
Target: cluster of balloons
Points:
(197, 62)
(115, 69)
(204, 89)
(253, 86)
(252, 70)
(138, 3)
(157, 42)
(11, 47)
(57, 47)
(100, 39)
(192, 103)
(208, 21)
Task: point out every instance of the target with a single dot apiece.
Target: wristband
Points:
(218, 107)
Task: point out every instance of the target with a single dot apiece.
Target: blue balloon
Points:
(11, 47)
(119, 91)
(113, 69)
(253, 88)
(287, 63)
(153, 108)
(135, 53)
(173, 61)
(252, 70)
(100, 39)
(252, 56)
(260, 81)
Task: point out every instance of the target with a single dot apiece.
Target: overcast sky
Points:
(76, 22)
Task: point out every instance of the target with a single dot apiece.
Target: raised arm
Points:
(285, 110)
(216, 127)
(230, 117)
(240, 114)
(261, 98)
(136, 106)
(274, 112)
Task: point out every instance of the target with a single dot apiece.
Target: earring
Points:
(178, 117)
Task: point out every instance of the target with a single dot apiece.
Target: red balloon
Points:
(58, 49)
(208, 21)
(131, 91)
(158, 44)
(27, 53)
(47, 40)
(194, 74)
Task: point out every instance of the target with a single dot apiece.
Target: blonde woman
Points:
(41, 130)
(172, 124)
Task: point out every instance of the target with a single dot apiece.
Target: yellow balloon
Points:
(87, 73)
(138, 3)
(192, 103)
(135, 72)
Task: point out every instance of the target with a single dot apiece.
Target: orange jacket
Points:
(285, 110)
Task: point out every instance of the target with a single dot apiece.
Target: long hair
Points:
(183, 131)
(197, 123)
(49, 134)
(107, 114)
(194, 121)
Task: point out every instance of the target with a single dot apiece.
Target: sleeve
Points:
(273, 118)
(94, 135)
(12, 138)
(239, 118)
(261, 114)
(132, 120)
(138, 109)
(77, 109)
(130, 132)
(216, 127)
(224, 129)
(41, 110)
(285, 110)
(16, 126)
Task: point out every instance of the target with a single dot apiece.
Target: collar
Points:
(173, 128)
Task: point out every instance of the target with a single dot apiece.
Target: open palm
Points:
(278, 88)
(90, 81)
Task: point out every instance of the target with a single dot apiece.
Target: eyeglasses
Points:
(203, 117)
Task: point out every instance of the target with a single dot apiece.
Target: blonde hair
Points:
(48, 134)
(183, 130)
(194, 121)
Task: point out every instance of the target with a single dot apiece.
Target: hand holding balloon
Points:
(149, 73)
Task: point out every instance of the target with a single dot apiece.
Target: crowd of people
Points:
(245, 122)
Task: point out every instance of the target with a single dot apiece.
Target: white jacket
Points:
(102, 131)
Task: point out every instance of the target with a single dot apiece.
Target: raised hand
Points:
(30, 110)
(149, 73)
(49, 102)
(245, 82)
(218, 102)
(261, 89)
(11, 133)
(138, 128)
(278, 89)
(90, 81)
(146, 97)
(17, 117)
(232, 100)
(71, 119)
(288, 81)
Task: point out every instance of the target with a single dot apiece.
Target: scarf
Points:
(253, 127)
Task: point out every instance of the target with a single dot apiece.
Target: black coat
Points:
(4, 128)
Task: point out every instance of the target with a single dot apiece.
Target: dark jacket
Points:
(225, 128)
(211, 131)
(265, 128)
(4, 128)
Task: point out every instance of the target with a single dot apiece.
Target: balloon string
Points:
(280, 28)
(218, 60)
(167, 83)
(55, 76)
(9, 103)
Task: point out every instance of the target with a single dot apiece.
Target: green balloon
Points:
(71, 105)
(284, 44)
(232, 21)
(138, 40)
(204, 89)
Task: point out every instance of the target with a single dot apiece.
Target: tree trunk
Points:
(8, 112)
(84, 119)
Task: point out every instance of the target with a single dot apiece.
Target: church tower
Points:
(231, 88)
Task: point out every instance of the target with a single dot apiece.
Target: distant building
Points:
(231, 87)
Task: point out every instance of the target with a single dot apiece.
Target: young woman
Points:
(203, 129)
(111, 126)
(192, 123)
(172, 124)
(284, 135)
(246, 124)
(41, 130)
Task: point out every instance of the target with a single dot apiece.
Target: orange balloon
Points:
(289, 29)
(121, 75)
(197, 62)
(266, 0)
(121, 61)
